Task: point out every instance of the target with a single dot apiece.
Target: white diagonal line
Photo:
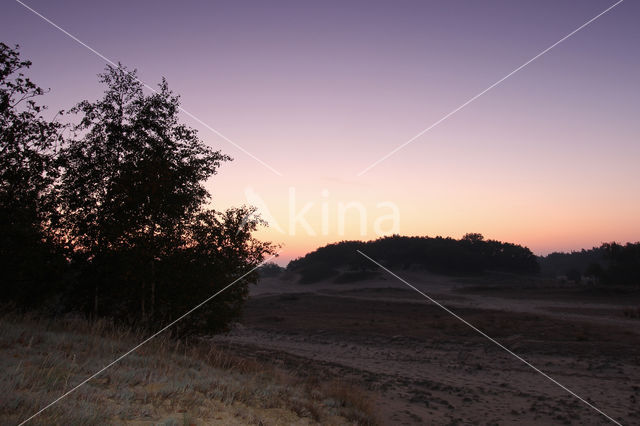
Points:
(398, 148)
(121, 357)
(109, 61)
(518, 357)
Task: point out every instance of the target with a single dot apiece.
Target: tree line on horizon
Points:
(610, 264)
(470, 255)
(107, 215)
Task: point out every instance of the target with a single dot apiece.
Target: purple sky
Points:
(320, 90)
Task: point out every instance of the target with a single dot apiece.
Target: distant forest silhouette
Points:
(107, 216)
(470, 255)
(609, 264)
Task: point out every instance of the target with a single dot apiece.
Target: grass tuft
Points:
(164, 382)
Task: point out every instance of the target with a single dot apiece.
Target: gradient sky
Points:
(320, 90)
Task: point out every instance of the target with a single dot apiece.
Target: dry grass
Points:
(164, 382)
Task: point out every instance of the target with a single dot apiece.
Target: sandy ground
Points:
(424, 366)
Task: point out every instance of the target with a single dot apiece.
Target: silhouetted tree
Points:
(115, 215)
(28, 261)
(132, 197)
(218, 250)
(624, 263)
(473, 237)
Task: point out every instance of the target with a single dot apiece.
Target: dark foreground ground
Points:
(422, 365)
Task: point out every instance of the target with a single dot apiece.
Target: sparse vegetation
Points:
(165, 382)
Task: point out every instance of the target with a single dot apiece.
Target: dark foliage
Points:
(623, 264)
(611, 264)
(270, 269)
(132, 196)
(28, 259)
(557, 264)
(469, 255)
(112, 221)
